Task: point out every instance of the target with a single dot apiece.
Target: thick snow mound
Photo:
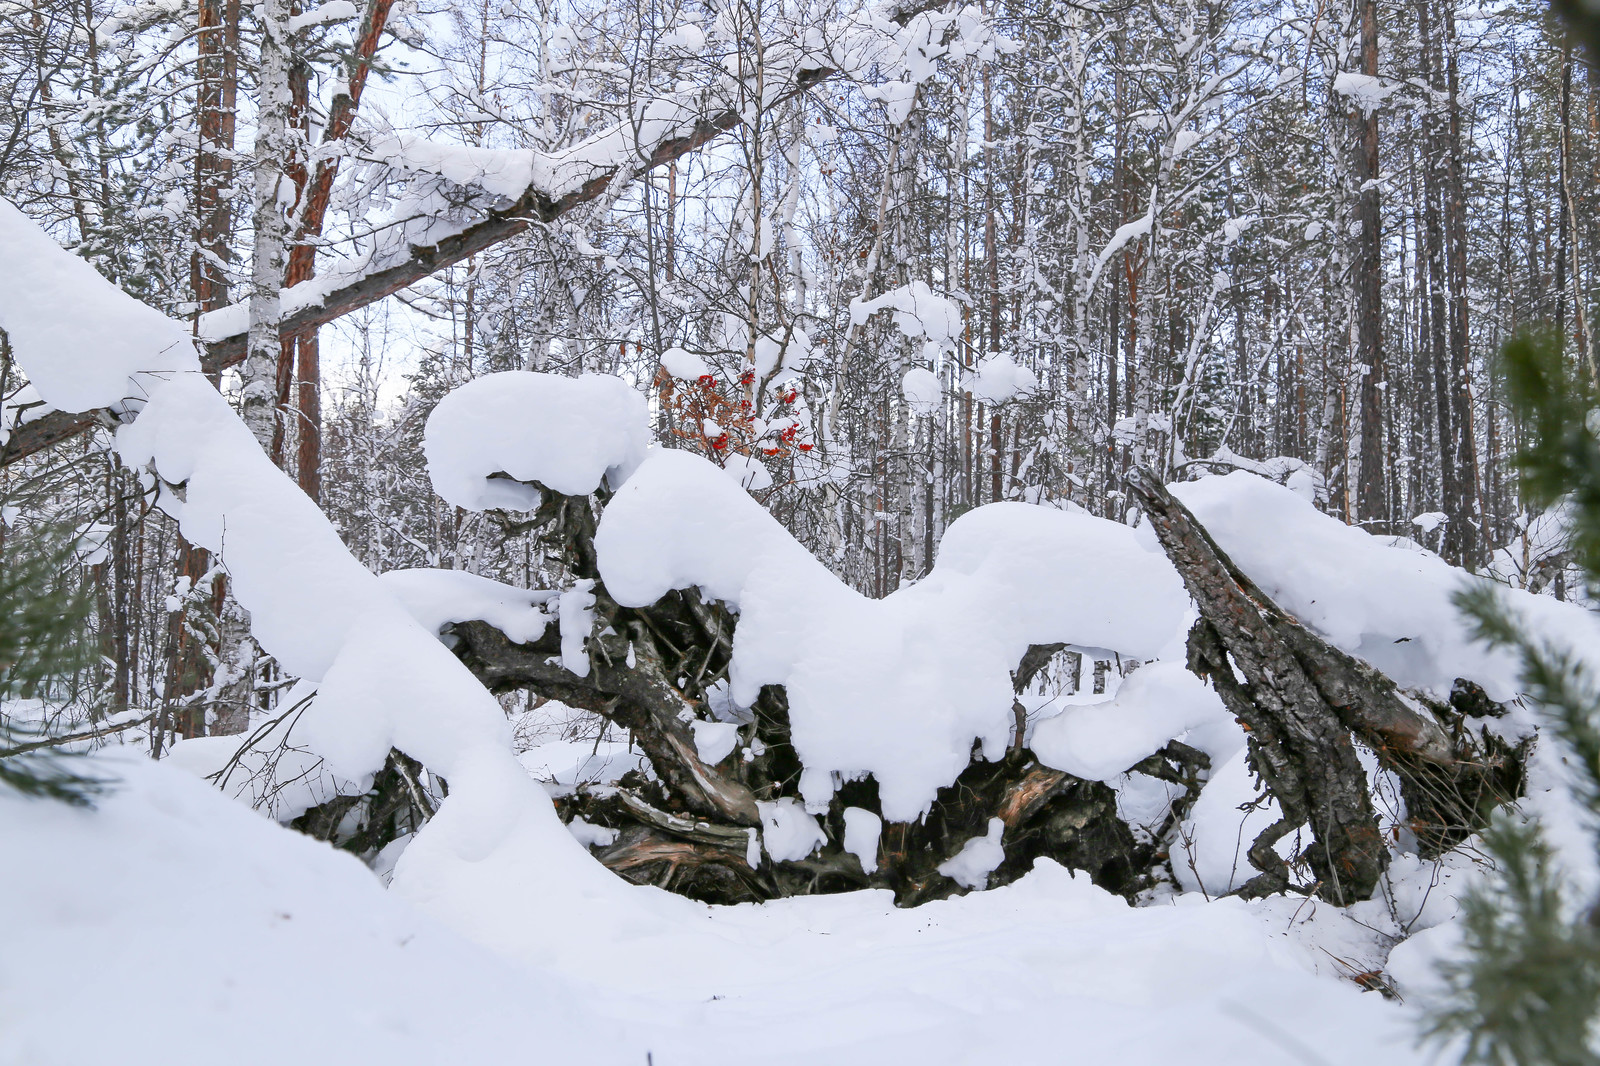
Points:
(898, 688)
(1098, 741)
(291, 945)
(79, 337)
(565, 432)
(292, 950)
(1390, 605)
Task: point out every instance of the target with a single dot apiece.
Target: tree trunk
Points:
(1371, 501)
(1304, 701)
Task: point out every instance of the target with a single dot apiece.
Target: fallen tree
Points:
(701, 828)
(689, 826)
(801, 738)
(1306, 703)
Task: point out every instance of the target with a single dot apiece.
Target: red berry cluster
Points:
(729, 409)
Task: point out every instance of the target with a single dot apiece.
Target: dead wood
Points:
(1304, 702)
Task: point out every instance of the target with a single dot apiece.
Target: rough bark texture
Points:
(1304, 702)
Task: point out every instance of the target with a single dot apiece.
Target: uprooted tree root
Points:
(692, 827)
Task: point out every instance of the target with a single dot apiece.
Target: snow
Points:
(787, 831)
(576, 611)
(714, 741)
(564, 764)
(922, 390)
(1126, 232)
(83, 342)
(592, 836)
(504, 172)
(1363, 90)
(862, 831)
(502, 939)
(1386, 604)
(286, 563)
(977, 859)
(748, 472)
(1210, 853)
(684, 365)
(918, 312)
(289, 949)
(999, 379)
(899, 687)
(566, 433)
(1159, 702)
(1429, 521)
(275, 927)
(381, 680)
(1542, 540)
(436, 598)
(331, 11)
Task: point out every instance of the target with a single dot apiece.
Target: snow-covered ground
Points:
(174, 925)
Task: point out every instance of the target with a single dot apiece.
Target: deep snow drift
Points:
(194, 931)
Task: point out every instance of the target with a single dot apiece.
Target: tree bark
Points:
(1371, 499)
(1303, 701)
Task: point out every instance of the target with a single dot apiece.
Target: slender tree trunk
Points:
(273, 191)
(1371, 509)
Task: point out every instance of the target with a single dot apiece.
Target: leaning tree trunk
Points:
(1305, 703)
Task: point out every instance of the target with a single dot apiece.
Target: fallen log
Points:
(1305, 703)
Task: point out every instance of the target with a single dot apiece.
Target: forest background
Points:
(1288, 238)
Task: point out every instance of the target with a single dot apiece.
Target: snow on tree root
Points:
(897, 688)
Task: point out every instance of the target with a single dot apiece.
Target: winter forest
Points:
(799, 531)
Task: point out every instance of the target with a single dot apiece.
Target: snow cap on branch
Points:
(488, 438)
(78, 337)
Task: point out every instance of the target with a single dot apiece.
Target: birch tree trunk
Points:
(272, 191)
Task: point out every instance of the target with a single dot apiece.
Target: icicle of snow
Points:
(576, 612)
(862, 829)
